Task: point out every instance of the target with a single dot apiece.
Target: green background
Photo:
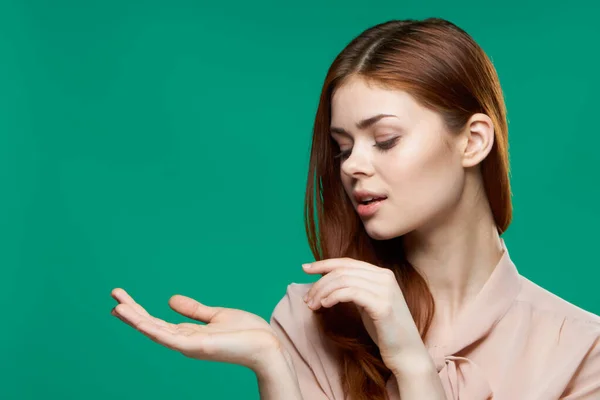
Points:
(162, 147)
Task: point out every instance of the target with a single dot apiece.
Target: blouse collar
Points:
(489, 305)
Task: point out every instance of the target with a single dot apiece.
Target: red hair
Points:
(445, 70)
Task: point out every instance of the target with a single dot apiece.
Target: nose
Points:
(358, 163)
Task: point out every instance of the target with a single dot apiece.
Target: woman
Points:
(408, 194)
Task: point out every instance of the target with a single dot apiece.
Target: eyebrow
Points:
(365, 123)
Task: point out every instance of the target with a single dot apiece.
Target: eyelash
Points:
(382, 146)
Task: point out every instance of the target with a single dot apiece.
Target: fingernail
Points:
(306, 265)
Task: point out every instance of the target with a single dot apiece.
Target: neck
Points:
(456, 258)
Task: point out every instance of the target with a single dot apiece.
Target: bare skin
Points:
(228, 335)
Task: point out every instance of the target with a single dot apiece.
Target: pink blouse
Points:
(515, 341)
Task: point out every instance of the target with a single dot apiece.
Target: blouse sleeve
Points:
(585, 383)
(293, 322)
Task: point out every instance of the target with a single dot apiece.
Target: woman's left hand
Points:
(380, 302)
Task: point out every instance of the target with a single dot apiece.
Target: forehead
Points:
(357, 99)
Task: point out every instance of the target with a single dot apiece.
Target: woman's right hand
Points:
(230, 335)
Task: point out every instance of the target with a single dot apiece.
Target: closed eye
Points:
(381, 146)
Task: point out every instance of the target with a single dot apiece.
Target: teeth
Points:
(368, 199)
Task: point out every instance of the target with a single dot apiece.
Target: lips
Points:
(372, 200)
(368, 209)
(366, 197)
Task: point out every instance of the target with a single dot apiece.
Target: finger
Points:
(134, 319)
(192, 308)
(174, 339)
(157, 321)
(126, 313)
(162, 335)
(330, 264)
(369, 276)
(116, 314)
(337, 284)
(123, 297)
(361, 297)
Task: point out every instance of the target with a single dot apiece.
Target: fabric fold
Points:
(464, 379)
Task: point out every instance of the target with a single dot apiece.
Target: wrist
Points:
(271, 361)
(412, 364)
(417, 378)
(274, 369)
(277, 377)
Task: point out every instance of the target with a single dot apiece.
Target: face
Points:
(408, 157)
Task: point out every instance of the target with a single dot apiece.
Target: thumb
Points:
(192, 309)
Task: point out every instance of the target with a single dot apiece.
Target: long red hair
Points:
(444, 69)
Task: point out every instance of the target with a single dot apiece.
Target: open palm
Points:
(230, 335)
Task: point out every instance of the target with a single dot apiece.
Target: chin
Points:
(379, 231)
(382, 229)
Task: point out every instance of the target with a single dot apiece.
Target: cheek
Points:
(424, 181)
(347, 183)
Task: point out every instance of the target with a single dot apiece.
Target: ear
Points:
(479, 139)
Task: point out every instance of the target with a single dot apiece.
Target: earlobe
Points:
(480, 139)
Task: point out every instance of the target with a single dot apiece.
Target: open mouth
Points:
(373, 200)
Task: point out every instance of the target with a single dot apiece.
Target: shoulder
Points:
(292, 306)
(552, 316)
(315, 361)
(292, 317)
(297, 290)
(569, 333)
(544, 301)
